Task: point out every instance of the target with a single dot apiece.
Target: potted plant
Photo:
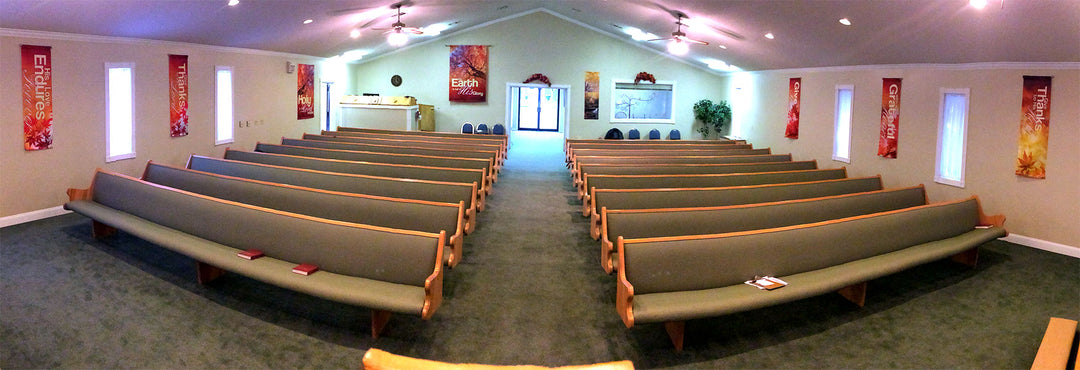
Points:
(713, 116)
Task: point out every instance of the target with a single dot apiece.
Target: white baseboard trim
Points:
(32, 216)
(1043, 244)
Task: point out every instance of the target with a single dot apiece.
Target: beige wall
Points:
(537, 42)
(1042, 209)
(32, 181)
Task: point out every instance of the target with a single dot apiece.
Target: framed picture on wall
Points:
(642, 102)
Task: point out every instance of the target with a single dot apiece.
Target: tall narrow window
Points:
(952, 137)
(842, 138)
(119, 112)
(224, 105)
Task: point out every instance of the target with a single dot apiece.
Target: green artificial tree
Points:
(713, 116)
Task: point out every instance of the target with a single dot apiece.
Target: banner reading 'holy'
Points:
(890, 117)
(468, 73)
(305, 91)
(37, 97)
(1034, 127)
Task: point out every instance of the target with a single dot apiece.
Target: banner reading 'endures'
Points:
(37, 97)
(794, 87)
(305, 91)
(468, 73)
(888, 138)
(1034, 127)
(178, 95)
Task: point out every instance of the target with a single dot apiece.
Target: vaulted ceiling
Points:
(807, 32)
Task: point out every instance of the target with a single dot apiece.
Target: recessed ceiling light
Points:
(978, 4)
(355, 33)
(234, 2)
(770, 36)
(352, 55)
(308, 21)
(845, 21)
(722, 47)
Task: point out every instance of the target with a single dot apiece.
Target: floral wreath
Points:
(644, 76)
(538, 77)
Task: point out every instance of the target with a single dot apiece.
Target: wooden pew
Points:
(386, 270)
(504, 138)
(663, 222)
(414, 143)
(404, 171)
(593, 182)
(376, 359)
(390, 158)
(1057, 346)
(704, 168)
(732, 149)
(723, 196)
(489, 156)
(584, 143)
(396, 213)
(673, 279)
(499, 144)
(575, 168)
(434, 191)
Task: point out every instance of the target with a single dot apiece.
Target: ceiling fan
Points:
(399, 26)
(678, 43)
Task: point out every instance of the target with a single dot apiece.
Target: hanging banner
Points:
(890, 117)
(178, 95)
(592, 95)
(468, 73)
(37, 97)
(792, 130)
(1034, 127)
(305, 91)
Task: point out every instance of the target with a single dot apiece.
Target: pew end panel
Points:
(606, 246)
(98, 229)
(624, 293)
(434, 283)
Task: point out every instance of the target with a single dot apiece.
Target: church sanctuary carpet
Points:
(529, 291)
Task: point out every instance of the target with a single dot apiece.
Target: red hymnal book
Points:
(305, 269)
(250, 254)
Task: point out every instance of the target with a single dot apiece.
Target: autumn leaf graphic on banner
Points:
(37, 97)
(468, 73)
(1034, 127)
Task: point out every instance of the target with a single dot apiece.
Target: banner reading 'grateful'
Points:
(794, 88)
(37, 97)
(1034, 127)
(178, 95)
(890, 117)
(305, 91)
(468, 73)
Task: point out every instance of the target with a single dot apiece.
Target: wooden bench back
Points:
(707, 168)
(726, 196)
(434, 191)
(711, 180)
(395, 149)
(447, 174)
(654, 265)
(397, 213)
(492, 144)
(363, 156)
(732, 149)
(384, 254)
(422, 133)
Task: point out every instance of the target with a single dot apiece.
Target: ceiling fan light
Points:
(678, 47)
(397, 38)
(978, 4)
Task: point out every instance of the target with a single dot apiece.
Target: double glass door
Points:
(538, 109)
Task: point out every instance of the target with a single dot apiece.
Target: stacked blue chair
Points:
(466, 128)
(633, 134)
(654, 134)
(498, 129)
(482, 129)
(675, 135)
(613, 134)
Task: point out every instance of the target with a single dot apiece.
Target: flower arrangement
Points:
(538, 77)
(644, 76)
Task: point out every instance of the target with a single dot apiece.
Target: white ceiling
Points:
(808, 33)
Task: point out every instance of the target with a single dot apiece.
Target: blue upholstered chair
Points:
(654, 134)
(466, 128)
(613, 134)
(675, 135)
(482, 129)
(633, 134)
(498, 129)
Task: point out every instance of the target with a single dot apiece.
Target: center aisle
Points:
(529, 289)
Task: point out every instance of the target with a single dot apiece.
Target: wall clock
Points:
(395, 80)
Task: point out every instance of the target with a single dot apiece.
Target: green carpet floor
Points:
(529, 291)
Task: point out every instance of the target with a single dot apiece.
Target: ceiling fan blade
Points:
(728, 32)
(662, 39)
(338, 12)
(695, 41)
(413, 30)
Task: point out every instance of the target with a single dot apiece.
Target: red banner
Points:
(1034, 127)
(37, 97)
(792, 130)
(305, 91)
(468, 73)
(890, 117)
(178, 95)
